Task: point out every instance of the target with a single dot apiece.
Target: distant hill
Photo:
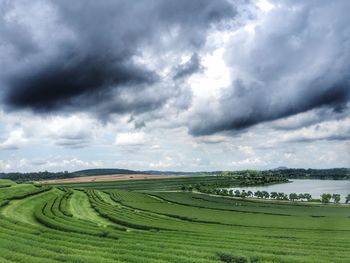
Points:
(281, 168)
(105, 171)
(109, 171)
(332, 174)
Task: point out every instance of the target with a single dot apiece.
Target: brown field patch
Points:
(112, 177)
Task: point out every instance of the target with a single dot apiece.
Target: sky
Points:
(181, 85)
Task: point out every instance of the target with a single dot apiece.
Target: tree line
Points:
(36, 176)
(324, 198)
(324, 174)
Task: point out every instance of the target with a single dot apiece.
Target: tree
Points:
(280, 196)
(301, 197)
(336, 198)
(244, 194)
(265, 194)
(237, 193)
(230, 192)
(347, 198)
(273, 195)
(258, 194)
(325, 198)
(308, 197)
(250, 193)
(293, 196)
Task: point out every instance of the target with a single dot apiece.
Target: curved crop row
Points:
(139, 227)
(53, 214)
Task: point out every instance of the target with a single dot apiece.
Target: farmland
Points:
(106, 178)
(152, 221)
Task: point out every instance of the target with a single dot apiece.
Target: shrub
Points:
(4, 203)
(255, 260)
(103, 234)
(231, 258)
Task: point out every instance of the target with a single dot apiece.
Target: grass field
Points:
(148, 221)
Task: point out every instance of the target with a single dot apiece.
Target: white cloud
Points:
(155, 147)
(248, 163)
(5, 165)
(265, 5)
(212, 139)
(74, 131)
(14, 141)
(329, 130)
(248, 150)
(55, 164)
(130, 138)
(166, 163)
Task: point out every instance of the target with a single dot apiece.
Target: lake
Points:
(301, 186)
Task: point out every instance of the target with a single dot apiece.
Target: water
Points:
(314, 187)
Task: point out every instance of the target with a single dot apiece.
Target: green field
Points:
(149, 221)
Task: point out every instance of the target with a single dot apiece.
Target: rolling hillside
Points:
(138, 221)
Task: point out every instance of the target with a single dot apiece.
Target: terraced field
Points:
(150, 222)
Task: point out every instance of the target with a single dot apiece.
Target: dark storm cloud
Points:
(190, 67)
(53, 86)
(297, 60)
(82, 55)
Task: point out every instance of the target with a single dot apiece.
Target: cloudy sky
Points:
(174, 85)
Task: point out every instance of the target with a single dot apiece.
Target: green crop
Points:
(151, 222)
